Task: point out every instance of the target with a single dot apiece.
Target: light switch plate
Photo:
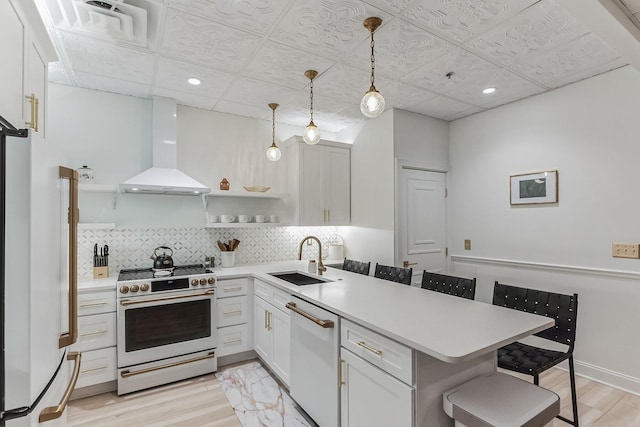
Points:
(626, 250)
(467, 245)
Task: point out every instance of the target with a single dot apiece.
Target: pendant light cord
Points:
(273, 127)
(311, 101)
(373, 61)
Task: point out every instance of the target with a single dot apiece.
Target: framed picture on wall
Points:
(534, 188)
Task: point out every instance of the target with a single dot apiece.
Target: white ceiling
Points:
(249, 53)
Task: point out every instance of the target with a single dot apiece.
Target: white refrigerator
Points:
(38, 280)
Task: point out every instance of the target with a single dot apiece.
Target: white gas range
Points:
(166, 324)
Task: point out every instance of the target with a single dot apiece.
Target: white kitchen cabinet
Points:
(96, 341)
(272, 339)
(233, 307)
(27, 50)
(320, 182)
(370, 396)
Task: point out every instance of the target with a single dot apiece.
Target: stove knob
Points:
(203, 282)
(211, 280)
(194, 282)
(134, 288)
(144, 287)
(124, 289)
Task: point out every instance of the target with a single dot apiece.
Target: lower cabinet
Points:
(271, 333)
(233, 307)
(376, 379)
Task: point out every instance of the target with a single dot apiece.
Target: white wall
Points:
(422, 139)
(588, 132)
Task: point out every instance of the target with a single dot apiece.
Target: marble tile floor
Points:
(257, 398)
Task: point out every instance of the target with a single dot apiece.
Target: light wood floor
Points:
(201, 402)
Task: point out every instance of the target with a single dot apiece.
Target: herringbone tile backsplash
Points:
(133, 247)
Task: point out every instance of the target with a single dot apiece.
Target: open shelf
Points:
(96, 225)
(244, 224)
(97, 188)
(246, 194)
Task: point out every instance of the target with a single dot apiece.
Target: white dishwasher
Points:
(315, 345)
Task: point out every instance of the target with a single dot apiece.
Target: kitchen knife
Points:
(106, 255)
(95, 255)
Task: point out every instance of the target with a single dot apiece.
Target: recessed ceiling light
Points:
(194, 81)
(488, 90)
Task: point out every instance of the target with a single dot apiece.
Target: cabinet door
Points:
(261, 332)
(370, 396)
(13, 31)
(312, 189)
(281, 350)
(37, 75)
(338, 186)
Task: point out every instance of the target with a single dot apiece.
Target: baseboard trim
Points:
(611, 378)
(549, 267)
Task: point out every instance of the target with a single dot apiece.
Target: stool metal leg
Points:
(574, 397)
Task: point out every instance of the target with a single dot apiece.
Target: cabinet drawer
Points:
(388, 355)
(98, 366)
(96, 331)
(234, 339)
(232, 287)
(96, 302)
(272, 295)
(232, 311)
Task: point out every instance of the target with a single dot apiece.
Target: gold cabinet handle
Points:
(93, 304)
(53, 412)
(235, 288)
(90, 334)
(406, 264)
(33, 124)
(68, 338)
(371, 349)
(269, 320)
(232, 312)
(232, 341)
(341, 381)
(127, 373)
(328, 215)
(99, 368)
(266, 321)
(324, 323)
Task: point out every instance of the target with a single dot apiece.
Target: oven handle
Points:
(127, 374)
(126, 302)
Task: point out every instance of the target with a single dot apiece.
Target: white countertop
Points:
(449, 328)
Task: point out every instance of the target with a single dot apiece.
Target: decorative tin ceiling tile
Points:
(343, 83)
(108, 84)
(391, 6)
(401, 95)
(246, 110)
(462, 20)
(463, 66)
(197, 40)
(329, 28)
(190, 99)
(441, 107)
(256, 16)
(106, 59)
(285, 65)
(581, 58)
(171, 74)
(538, 29)
(400, 48)
(252, 92)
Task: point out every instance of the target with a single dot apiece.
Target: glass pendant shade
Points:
(274, 153)
(311, 134)
(372, 104)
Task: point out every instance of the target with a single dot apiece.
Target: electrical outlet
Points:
(626, 250)
(467, 245)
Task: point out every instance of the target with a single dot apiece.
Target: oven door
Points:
(154, 327)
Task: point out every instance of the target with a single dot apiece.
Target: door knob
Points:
(406, 264)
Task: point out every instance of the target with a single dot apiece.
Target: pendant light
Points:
(372, 104)
(311, 133)
(273, 152)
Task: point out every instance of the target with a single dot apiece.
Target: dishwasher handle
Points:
(324, 323)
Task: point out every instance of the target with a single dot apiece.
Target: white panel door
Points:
(422, 221)
(262, 335)
(372, 397)
(281, 344)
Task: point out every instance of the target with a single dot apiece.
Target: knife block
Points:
(100, 272)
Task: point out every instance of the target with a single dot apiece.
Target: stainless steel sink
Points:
(297, 278)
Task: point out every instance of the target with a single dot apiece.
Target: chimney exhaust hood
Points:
(164, 177)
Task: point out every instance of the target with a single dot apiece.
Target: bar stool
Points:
(500, 400)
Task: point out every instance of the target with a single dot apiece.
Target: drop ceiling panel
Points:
(443, 107)
(172, 75)
(110, 84)
(462, 20)
(285, 65)
(194, 39)
(343, 83)
(401, 95)
(185, 98)
(255, 92)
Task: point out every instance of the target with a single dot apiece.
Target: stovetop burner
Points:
(150, 273)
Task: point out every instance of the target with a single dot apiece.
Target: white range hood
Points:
(164, 177)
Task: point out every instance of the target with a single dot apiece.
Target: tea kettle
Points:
(162, 261)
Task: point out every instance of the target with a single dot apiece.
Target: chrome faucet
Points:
(321, 267)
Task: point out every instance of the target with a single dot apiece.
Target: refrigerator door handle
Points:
(68, 338)
(53, 412)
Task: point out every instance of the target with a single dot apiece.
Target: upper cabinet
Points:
(27, 50)
(320, 182)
